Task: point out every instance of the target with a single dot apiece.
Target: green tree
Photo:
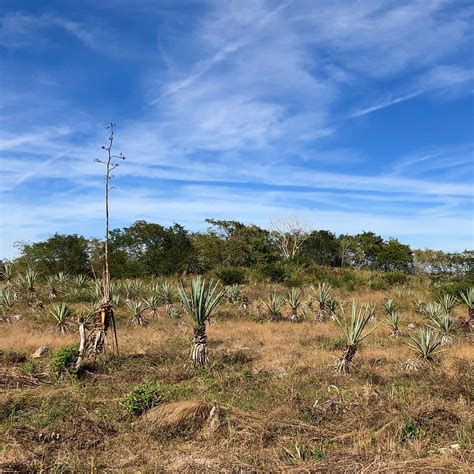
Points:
(149, 249)
(395, 256)
(59, 253)
(322, 247)
(365, 248)
(245, 245)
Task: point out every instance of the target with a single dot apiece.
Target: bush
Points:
(272, 272)
(347, 279)
(231, 276)
(334, 344)
(453, 288)
(29, 367)
(144, 396)
(378, 283)
(63, 361)
(395, 278)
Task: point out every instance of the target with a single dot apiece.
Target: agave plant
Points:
(372, 308)
(233, 293)
(130, 288)
(393, 316)
(200, 304)
(116, 299)
(394, 320)
(448, 302)
(433, 311)
(95, 291)
(323, 296)
(152, 303)
(8, 300)
(332, 305)
(467, 297)
(28, 280)
(80, 281)
(62, 277)
(61, 314)
(444, 325)
(294, 301)
(427, 345)
(166, 293)
(389, 306)
(274, 304)
(354, 334)
(7, 273)
(52, 284)
(137, 307)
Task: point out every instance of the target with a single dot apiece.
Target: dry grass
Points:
(270, 401)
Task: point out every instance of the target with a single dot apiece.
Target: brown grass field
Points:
(269, 401)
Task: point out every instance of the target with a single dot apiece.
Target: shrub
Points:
(334, 344)
(395, 278)
(29, 367)
(231, 276)
(144, 396)
(411, 430)
(63, 360)
(273, 272)
(378, 283)
(348, 280)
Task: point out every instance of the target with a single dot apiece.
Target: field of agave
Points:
(215, 378)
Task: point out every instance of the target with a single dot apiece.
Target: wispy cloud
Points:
(248, 115)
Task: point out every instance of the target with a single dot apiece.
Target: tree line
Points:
(150, 249)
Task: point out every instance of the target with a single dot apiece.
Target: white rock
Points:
(40, 352)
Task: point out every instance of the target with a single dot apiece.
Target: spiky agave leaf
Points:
(444, 325)
(61, 314)
(130, 288)
(467, 297)
(389, 306)
(7, 272)
(166, 292)
(80, 281)
(62, 277)
(202, 301)
(274, 304)
(294, 299)
(322, 292)
(233, 293)
(29, 279)
(116, 299)
(394, 319)
(8, 299)
(448, 302)
(137, 307)
(152, 302)
(52, 284)
(96, 290)
(353, 328)
(433, 310)
(426, 344)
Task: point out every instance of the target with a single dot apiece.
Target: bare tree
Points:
(289, 234)
(109, 166)
(95, 343)
(344, 247)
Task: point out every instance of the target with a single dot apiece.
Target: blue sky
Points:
(351, 115)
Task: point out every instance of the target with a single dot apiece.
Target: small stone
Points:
(40, 352)
(411, 326)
